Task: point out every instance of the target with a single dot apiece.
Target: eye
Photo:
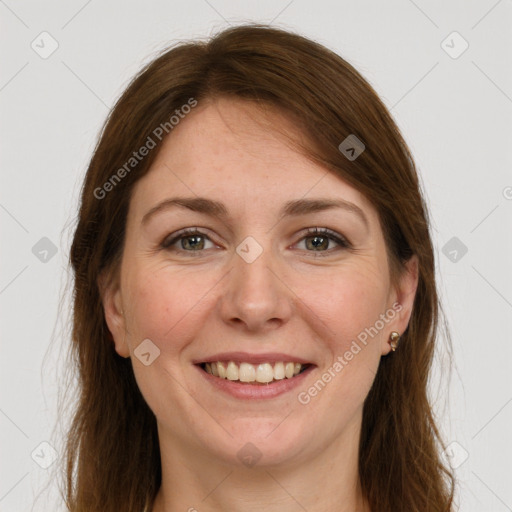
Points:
(192, 240)
(319, 239)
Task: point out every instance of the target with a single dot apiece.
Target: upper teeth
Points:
(247, 372)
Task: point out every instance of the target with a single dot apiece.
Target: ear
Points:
(402, 301)
(112, 306)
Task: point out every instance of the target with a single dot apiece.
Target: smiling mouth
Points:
(255, 374)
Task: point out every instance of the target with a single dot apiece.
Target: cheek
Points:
(163, 307)
(349, 310)
(359, 331)
(347, 303)
(166, 309)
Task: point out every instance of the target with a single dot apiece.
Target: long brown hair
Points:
(112, 451)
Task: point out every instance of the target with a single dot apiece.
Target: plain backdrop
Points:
(443, 68)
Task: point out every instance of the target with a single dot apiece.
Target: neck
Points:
(196, 482)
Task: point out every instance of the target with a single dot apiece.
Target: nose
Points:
(256, 298)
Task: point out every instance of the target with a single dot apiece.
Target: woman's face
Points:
(253, 287)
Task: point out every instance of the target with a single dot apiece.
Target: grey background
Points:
(455, 114)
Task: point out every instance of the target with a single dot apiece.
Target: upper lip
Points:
(246, 357)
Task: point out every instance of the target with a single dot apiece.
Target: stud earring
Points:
(393, 340)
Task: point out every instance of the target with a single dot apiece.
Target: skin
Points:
(290, 299)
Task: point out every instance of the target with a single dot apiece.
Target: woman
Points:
(255, 305)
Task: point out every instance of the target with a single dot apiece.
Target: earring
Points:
(393, 340)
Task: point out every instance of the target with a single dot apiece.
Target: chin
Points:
(262, 442)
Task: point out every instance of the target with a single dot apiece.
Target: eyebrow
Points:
(219, 210)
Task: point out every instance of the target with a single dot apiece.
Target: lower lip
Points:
(256, 391)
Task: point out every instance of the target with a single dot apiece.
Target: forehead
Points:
(233, 151)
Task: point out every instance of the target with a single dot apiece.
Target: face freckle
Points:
(289, 299)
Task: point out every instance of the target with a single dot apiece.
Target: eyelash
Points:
(311, 232)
